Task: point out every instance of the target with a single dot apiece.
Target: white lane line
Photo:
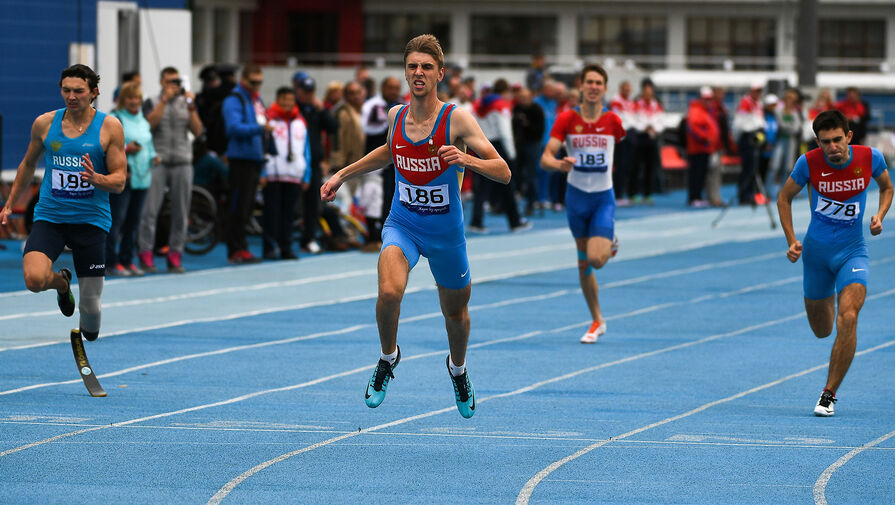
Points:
(420, 356)
(502, 303)
(492, 278)
(820, 487)
(525, 494)
(228, 487)
(290, 340)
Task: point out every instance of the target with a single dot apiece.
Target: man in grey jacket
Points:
(171, 116)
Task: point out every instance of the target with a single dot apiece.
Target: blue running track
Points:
(244, 385)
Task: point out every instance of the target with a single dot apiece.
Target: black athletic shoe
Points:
(464, 393)
(89, 336)
(378, 384)
(66, 300)
(824, 407)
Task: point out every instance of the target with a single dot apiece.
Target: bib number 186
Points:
(425, 199)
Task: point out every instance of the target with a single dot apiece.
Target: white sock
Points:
(456, 371)
(390, 357)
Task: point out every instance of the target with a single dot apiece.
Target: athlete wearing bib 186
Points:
(427, 143)
(589, 134)
(84, 158)
(834, 255)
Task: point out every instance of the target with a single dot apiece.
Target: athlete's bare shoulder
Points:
(41, 125)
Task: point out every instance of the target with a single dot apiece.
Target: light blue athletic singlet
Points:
(64, 197)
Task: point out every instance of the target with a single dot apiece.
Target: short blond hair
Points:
(427, 44)
(129, 89)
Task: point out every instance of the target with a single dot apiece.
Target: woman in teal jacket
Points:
(127, 206)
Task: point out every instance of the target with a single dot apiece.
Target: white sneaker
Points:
(824, 407)
(596, 329)
(314, 247)
(614, 250)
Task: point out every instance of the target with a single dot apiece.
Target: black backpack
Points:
(216, 126)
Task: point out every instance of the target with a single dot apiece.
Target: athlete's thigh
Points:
(579, 212)
(397, 236)
(449, 265)
(46, 238)
(818, 280)
(88, 249)
(854, 268)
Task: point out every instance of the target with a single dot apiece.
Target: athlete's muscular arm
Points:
(374, 160)
(549, 161)
(784, 207)
(885, 201)
(25, 173)
(465, 128)
(116, 160)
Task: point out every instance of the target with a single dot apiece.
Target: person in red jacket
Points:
(857, 112)
(703, 138)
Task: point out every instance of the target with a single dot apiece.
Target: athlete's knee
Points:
(848, 316)
(90, 305)
(597, 261)
(35, 281)
(390, 294)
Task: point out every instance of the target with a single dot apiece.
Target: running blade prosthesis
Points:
(87, 375)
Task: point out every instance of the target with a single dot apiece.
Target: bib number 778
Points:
(838, 210)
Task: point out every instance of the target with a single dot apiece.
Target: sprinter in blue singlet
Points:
(83, 151)
(427, 143)
(834, 255)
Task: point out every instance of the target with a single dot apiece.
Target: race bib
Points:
(425, 200)
(67, 184)
(838, 211)
(591, 162)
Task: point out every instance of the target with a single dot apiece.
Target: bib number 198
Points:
(67, 184)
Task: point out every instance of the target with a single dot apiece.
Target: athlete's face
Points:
(422, 73)
(77, 93)
(834, 144)
(593, 87)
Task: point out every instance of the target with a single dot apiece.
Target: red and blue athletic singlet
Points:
(427, 189)
(834, 252)
(64, 197)
(426, 216)
(838, 193)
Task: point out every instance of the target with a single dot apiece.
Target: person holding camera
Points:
(172, 115)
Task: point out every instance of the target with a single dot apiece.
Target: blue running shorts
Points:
(828, 268)
(590, 214)
(449, 264)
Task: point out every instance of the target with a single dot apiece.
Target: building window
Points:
(387, 34)
(641, 38)
(851, 45)
(312, 36)
(511, 40)
(744, 43)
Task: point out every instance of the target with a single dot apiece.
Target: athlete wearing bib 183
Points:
(83, 150)
(834, 256)
(589, 134)
(427, 143)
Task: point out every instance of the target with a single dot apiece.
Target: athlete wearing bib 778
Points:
(834, 255)
(427, 141)
(590, 134)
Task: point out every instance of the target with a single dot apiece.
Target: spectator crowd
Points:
(264, 164)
